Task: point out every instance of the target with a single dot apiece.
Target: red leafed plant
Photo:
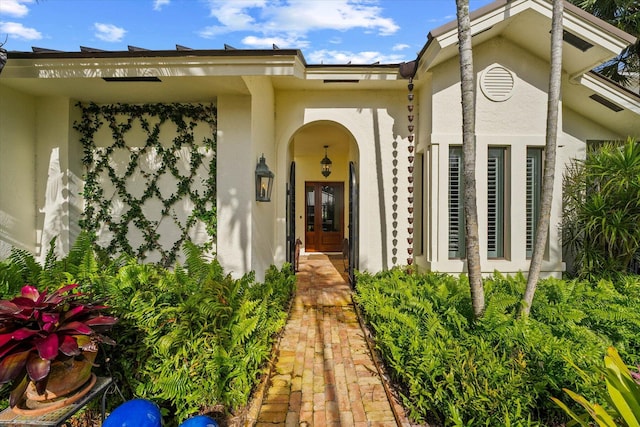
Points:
(38, 328)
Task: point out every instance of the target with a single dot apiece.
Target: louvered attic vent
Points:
(576, 41)
(341, 81)
(131, 79)
(610, 105)
(497, 83)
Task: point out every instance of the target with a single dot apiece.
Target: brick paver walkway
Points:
(324, 374)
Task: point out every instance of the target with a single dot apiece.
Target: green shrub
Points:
(499, 370)
(601, 209)
(194, 340)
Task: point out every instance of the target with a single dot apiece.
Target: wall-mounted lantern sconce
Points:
(264, 181)
(326, 163)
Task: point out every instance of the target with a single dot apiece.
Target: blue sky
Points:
(327, 31)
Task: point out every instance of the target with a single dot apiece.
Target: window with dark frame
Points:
(496, 168)
(456, 213)
(420, 191)
(533, 192)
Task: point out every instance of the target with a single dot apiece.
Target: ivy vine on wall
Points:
(149, 184)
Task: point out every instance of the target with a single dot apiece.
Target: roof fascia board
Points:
(610, 91)
(572, 13)
(597, 22)
(594, 30)
(474, 15)
(154, 66)
(156, 53)
(575, 20)
(481, 19)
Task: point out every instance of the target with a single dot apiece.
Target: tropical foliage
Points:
(601, 199)
(624, 397)
(195, 339)
(497, 370)
(192, 339)
(39, 328)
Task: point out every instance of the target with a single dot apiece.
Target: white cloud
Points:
(296, 17)
(19, 31)
(159, 4)
(400, 46)
(268, 42)
(16, 8)
(342, 15)
(344, 57)
(233, 15)
(109, 32)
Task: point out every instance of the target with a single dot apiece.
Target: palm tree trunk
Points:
(542, 230)
(469, 155)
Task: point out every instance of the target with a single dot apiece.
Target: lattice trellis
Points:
(150, 184)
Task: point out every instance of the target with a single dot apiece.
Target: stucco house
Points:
(394, 184)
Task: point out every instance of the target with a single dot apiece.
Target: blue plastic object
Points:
(199, 421)
(135, 413)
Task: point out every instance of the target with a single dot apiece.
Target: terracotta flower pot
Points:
(64, 378)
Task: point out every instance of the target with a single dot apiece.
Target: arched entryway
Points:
(322, 210)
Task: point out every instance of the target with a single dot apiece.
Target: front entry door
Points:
(324, 216)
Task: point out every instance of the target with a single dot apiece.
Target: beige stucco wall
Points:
(235, 181)
(17, 171)
(263, 245)
(44, 129)
(516, 123)
(377, 122)
(58, 191)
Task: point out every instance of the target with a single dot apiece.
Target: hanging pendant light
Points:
(326, 163)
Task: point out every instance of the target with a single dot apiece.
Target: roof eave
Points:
(482, 19)
(154, 63)
(612, 91)
(95, 54)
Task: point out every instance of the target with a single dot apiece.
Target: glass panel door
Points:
(324, 211)
(330, 218)
(311, 207)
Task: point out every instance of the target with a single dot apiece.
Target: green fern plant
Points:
(82, 265)
(454, 371)
(196, 338)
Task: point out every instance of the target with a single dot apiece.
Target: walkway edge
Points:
(258, 396)
(381, 373)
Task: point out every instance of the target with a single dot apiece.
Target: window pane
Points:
(311, 202)
(456, 214)
(330, 218)
(534, 186)
(495, 203)
(420, 194)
